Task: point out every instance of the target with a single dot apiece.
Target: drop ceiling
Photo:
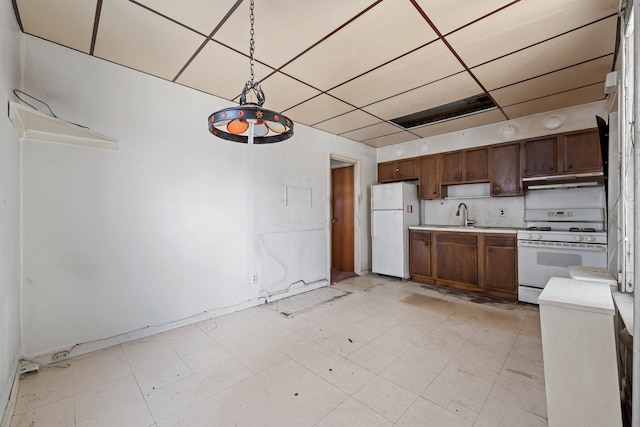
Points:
(350, 67)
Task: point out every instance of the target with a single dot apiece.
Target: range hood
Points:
(591, 179)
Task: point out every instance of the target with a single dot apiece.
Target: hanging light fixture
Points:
(249, 122)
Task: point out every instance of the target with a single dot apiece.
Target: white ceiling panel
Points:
(578, 46)
(282, 92)
(396, 138)
(383, 33)
(132, 36)
(461, 123)
(66, 22)
(561, 100)
(206, 74)
(442, 92)
(374, 131)
(524, 24)
(448, 15)
(346, 65)
(316, 110)
(201, 15)
(355, 119)
(284, 29)
(574, 77)
(428, 64)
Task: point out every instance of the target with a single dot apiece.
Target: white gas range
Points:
(554, 240)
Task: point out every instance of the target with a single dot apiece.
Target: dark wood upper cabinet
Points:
(540, 157)
(476, 164)
(565, 153)
(465, 166)
(452, 168)
(429, 178)
(398, 170)
(580, 152)
(505, 169)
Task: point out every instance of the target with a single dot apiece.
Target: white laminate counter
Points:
(471, 229)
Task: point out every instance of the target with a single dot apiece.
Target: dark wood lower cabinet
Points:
(501, 272)
(457, 258)
(481, 262)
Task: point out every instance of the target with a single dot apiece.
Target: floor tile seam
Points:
(143, 399)
(347, 397)
(382, 415)
(460, 384)
(517, 407)
(157, 420)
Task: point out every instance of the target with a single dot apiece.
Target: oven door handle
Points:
(563, 246)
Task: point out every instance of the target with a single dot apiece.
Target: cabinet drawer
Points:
(459, 239)
(508, 241)
(421, 236)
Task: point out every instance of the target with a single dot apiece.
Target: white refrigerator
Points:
(394, 208)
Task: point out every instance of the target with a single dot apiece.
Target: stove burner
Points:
(538, 228)
(583, 230)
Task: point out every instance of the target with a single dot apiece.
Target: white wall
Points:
(9, 206)
(173, 224)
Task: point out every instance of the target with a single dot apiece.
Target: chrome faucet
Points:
(467, 221)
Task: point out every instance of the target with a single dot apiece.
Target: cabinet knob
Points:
(469, 175)
(570, 166)
(550, 168)
(497, 190)
(397, 169)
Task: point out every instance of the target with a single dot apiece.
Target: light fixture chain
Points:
(252, 45)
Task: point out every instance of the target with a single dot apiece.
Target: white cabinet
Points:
(579, 350)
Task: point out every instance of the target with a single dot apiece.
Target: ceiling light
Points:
(249, 122)
(508, 131)
(553, 122)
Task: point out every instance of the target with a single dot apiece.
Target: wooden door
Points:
(342, 212)
(429, 177)
(501, 276)
(505, 170)
(420, 253)
(476, 162)
(581, 152)
(540, 157)
(452, 167)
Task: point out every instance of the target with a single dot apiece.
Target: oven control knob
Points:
(591, 239)
(539, 237)
(578, 238)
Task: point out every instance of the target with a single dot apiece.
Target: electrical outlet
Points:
(254, 278)
(60, 355)
(502, 212)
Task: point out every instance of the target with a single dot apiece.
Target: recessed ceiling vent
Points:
(452, 110)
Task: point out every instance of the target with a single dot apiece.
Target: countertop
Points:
(577, 295)
(624, 304)
(470, 229)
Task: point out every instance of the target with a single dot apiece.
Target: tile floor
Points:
(390, 353)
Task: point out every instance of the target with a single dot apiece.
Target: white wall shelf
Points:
(33, 124)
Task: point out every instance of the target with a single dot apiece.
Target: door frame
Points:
(357, 210)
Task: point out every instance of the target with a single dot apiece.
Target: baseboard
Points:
(13, 397)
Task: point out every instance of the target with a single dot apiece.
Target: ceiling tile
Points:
(570, 78)
(580, 96)
(355, 119)
(374, 131)
(448, 15)
(284, 28)
(442, 92)
(201, 15)
(423, 66)
(461, 123)
(227, 81)
(385, 32)
(132, 36)
(316, 110)
(396, 138)
(578, 46)
(66, 22)
(282, 92)
(524, 24)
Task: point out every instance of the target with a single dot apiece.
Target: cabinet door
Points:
(457, 258)
(386, 171)
(476, 165)
(581, 152)
(420, 253)
(429, 176)
(407, 169)
(500, 266)
(505, 170)
(452, 167)
(540, 157)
